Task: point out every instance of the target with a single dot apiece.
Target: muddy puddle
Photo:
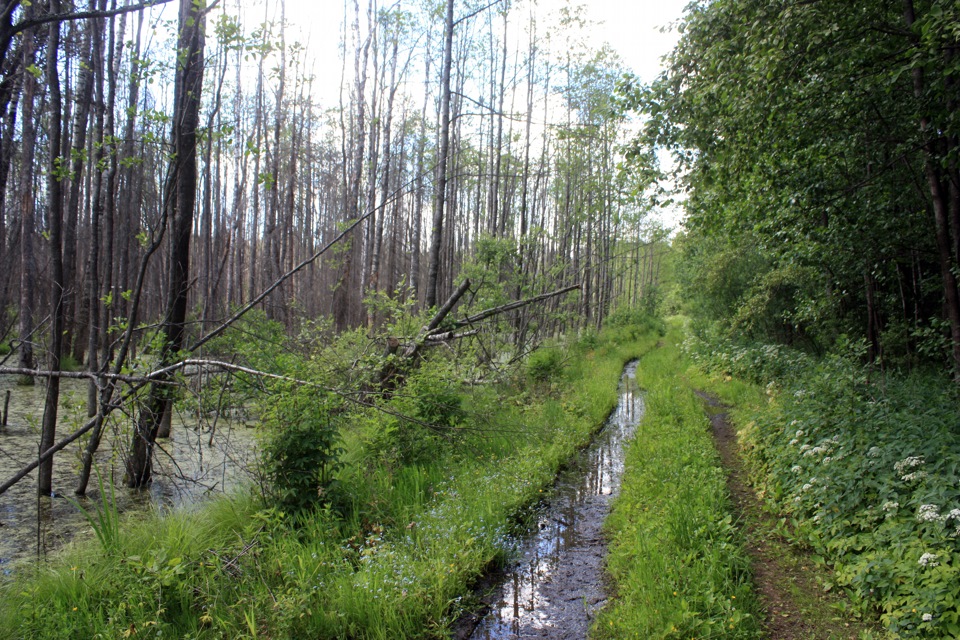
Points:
(556, 585)
(203, 456)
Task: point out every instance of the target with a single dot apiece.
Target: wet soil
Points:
(785, 577)
(555, 587)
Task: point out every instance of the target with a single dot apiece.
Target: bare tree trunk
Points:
(418, 209)
(375, 259)
(48, 429)
(436, 233)
(28, 266)
(181, 194)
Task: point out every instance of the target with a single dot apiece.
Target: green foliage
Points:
(423, 420)
(105, 518)
(642, 319)
(676, 559)
(545, 364)
(398, 562)
(301, 454)
(797, 219)
(867, 470)
(69, 363)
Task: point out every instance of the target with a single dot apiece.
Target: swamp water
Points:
(202, 456)
(556, 585)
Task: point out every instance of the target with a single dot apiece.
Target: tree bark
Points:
(181, 194)
(28, 267)
(48, 429)
(436, 232)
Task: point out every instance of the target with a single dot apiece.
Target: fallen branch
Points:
(487, 313)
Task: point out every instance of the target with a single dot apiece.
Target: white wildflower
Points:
(827, 460)
(928, 513)
(799, 433)
(796, 468)
(907, 463)
(927, 617)
(890, 505)
(794, 442)
(874, 452)
(916, 475)
(953, 515)
(928, 560)
(804, 448)
(806, 487)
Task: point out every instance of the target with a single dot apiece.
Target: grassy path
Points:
(786, 579)
(693, 554)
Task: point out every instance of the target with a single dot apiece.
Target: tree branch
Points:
(483, 315)
(23, 25)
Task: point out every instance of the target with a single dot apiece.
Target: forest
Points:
(393, 315)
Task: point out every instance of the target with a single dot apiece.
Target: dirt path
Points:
(785, 578)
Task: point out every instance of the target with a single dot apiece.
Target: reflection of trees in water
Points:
(554, 585)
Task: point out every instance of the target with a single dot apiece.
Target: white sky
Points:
(636, 29)
(631, 27)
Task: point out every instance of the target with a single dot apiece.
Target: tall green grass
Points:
(676, 562)
(400, 564)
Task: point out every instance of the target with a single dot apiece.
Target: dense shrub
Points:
(545, 364)
(868, 469)
(639, 319)
(301, 453)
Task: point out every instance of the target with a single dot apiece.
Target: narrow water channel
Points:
(556, 585)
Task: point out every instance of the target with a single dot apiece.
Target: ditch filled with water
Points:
(555, 586)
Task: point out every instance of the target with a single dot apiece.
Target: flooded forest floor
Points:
(532, 526)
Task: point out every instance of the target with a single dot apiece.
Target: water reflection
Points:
(196, 460)
(554, 588)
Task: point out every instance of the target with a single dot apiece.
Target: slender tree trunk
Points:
(48, 430)
(28, 267)
(436, 232)
(181, 195)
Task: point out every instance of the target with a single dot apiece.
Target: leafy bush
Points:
(639, 319)
(867, 470)
(545, 364)
(422, 420)
(301, 453)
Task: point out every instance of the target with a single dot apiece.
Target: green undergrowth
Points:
(395, 556)
(864, 468)
(676, 560)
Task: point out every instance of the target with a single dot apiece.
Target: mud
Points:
(556, 585)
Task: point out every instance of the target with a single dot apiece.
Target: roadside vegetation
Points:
(375, 521)
(862, 467)
(677, 562)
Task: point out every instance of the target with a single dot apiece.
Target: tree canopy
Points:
(817, 144)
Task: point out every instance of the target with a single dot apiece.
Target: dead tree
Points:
(182, 186)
